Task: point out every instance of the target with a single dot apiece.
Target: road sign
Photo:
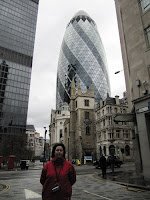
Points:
(149, 105)
(125, 117)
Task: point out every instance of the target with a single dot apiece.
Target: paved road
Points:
(24, 184)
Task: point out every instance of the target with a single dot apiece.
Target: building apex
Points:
(81, 13)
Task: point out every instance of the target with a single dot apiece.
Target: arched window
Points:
(127, 150)
(87, 130)
(104, 150)
(103, 112)
(111, 150)
(65, 130)
(100, 150)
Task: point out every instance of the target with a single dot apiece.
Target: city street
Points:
(24, 184)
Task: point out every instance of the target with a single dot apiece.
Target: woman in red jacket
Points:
(58, 176)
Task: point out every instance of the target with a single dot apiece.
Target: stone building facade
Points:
(34, 142)
(113, 137)
(56, 128)
(134, 29)
(82, 124)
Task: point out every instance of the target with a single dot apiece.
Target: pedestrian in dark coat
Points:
(103, 165)
(113, 164)
(58, 176)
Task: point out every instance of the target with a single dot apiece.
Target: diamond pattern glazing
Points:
(82, 55)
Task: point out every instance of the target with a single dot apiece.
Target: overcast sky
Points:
(53, 17)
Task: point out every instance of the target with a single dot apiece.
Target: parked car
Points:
(73, 161)
(117, 162)
(24, 164)
(42, 158)
(96, 163)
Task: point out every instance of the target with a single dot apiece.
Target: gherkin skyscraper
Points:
(82, 56)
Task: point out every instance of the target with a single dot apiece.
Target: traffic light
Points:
(118, 148)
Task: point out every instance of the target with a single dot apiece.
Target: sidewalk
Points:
(127, 178)
(32, 165)
(125, 175)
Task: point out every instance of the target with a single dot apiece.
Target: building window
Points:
(87, 130)
(145, 5)
(104, 150)
(124, 110)
(115, 110)
(126, 134)
(87, 115)
(104, 135)
(117, 134)
(76, 104)
(60, 123)
(100, 150)
(111, 135)
(109, 109)
(86, 102)
(103, 112)
(65, 130)
(127, 150)
(60, 133)
(104, 123)
(147, 30)
(109, 120)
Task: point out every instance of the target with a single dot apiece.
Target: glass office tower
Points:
(82, 56)
(17, 34)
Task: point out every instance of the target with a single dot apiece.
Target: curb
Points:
(133, 186)
(128, 185)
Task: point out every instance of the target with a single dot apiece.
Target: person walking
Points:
(113, 164)
(103, 165)
(57, 176)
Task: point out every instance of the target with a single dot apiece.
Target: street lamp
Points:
(45, 147)
(118, 71)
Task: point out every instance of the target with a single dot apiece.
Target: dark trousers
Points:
(104, 172)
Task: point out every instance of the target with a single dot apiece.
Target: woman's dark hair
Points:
(54, 148)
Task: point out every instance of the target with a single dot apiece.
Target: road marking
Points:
(31, 195)
(5, 185)
(133, 189)
(97, 195)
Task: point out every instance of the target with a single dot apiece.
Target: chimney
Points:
(117, 100)
(101, 103)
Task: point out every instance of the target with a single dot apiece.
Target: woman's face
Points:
(59, 151)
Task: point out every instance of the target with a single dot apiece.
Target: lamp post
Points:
(118, 71)
(44, 146)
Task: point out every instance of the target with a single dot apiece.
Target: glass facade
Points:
(17, 34)
(82, 56)
(145, 4)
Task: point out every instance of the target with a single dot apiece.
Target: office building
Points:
(17, 34)
(35, 143)
(134, 28)
(82, 56)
